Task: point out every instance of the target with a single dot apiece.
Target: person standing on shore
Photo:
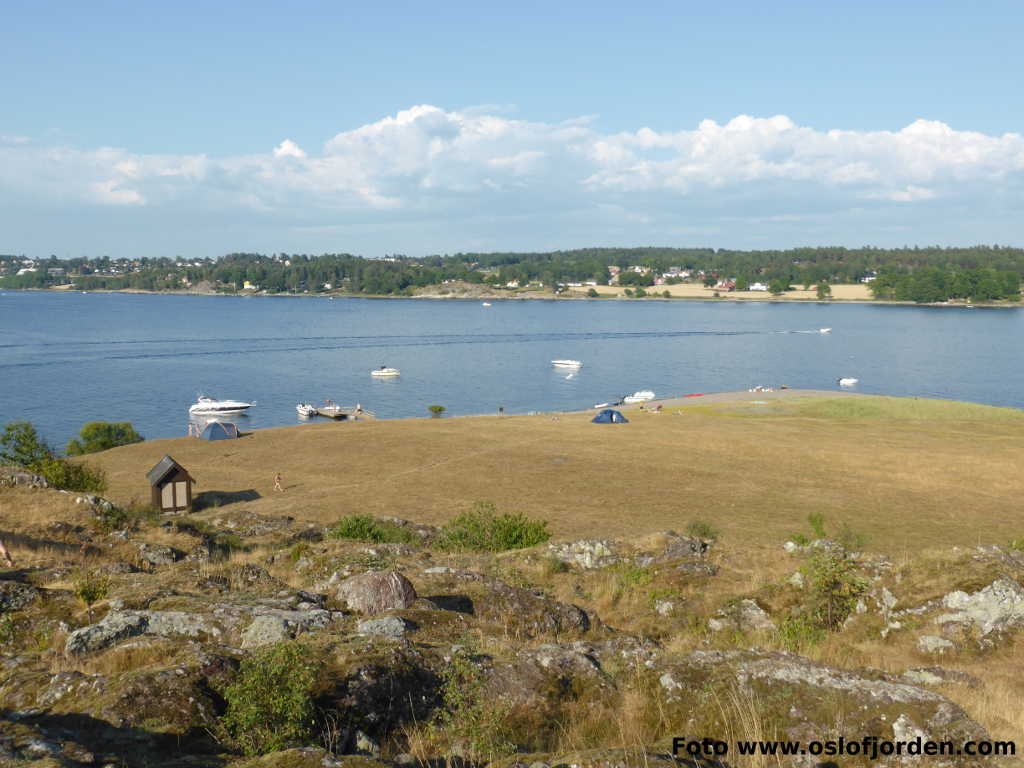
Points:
(277, 482)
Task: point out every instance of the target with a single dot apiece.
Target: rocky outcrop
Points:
(18, 476)
(742, 616)
(524, 613)
(386, 626)
(586, 553)
(376, 592)
(999, 607)
(265, 630)
(120, 625)
(805, 696)
(158, 554)
(14, 595)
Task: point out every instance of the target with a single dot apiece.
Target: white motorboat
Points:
(486, 304)
(384, 372)
(824, 330)
(846, 382)
(306, 409)
(567, 363)
(639, 397)
(211, 405)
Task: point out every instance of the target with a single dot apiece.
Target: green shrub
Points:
(482, 529)
(701, 529)
(817, 523)
(833, 588)
(73, 476)
(592, 293)
(7, 629)
(110, 519)
(1016, 544)
(471, 724)
(365, 528)
(270, 702)
(436, 410)
(101, 435)
(552, 566)
(91, 586)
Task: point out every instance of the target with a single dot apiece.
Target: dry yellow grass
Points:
(908, 473)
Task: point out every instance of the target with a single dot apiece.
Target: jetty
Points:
(346, 412)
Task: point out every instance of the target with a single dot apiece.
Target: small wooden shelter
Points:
(172, 486)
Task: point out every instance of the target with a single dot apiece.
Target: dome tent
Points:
(219, 430)
(608, 416)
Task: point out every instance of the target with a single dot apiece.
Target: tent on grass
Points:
(220, 430)
(608, 416)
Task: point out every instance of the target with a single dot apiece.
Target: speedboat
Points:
(211, 405)
(846, 382)
(639, 397)
(824, 330)
(486, 304)
(306, 409)
(567, 363)
(385, 372)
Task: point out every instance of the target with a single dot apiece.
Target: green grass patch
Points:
(482, 529)
(366, 528)
(903, 409)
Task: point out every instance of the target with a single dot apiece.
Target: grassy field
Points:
(908, 473)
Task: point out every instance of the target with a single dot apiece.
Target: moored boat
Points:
(567, 363)
(384, 372)
(306, 409)
(642, 396)
(211, 405)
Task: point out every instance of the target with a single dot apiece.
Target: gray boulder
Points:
(746, 615)
(385, 626)
(119, 625)
(116, 626)
(265, 630)
(376, 592)
(996, 608)
(158, 554)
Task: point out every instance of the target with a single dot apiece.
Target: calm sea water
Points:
(66, 359)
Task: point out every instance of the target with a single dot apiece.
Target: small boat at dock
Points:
(306, 410)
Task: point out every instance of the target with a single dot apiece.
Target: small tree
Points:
(592, 293)
(640, 293)
(436, 410)
(778, 285)
(90, 587)
(824, 290)
(101, 435)
(23, 446)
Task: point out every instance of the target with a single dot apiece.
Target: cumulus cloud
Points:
(434, 165)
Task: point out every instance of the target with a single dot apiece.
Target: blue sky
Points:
(200, 128)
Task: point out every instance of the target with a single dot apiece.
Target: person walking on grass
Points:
(5, 555)
(277, 483)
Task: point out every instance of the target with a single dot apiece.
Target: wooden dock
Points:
(345, 413)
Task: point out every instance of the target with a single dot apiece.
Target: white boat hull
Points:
(386, 373)
(567, 363)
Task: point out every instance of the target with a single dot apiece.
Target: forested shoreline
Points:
(931, 274)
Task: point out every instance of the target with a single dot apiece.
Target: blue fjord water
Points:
(69, 358)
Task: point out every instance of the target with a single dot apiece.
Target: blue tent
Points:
(608, 416)
(220, 430)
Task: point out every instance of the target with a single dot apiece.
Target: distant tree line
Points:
(980, 272)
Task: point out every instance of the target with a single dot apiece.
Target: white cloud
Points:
(288, 148)
(453, 169)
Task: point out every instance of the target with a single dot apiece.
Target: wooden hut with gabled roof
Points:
(171, 485)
